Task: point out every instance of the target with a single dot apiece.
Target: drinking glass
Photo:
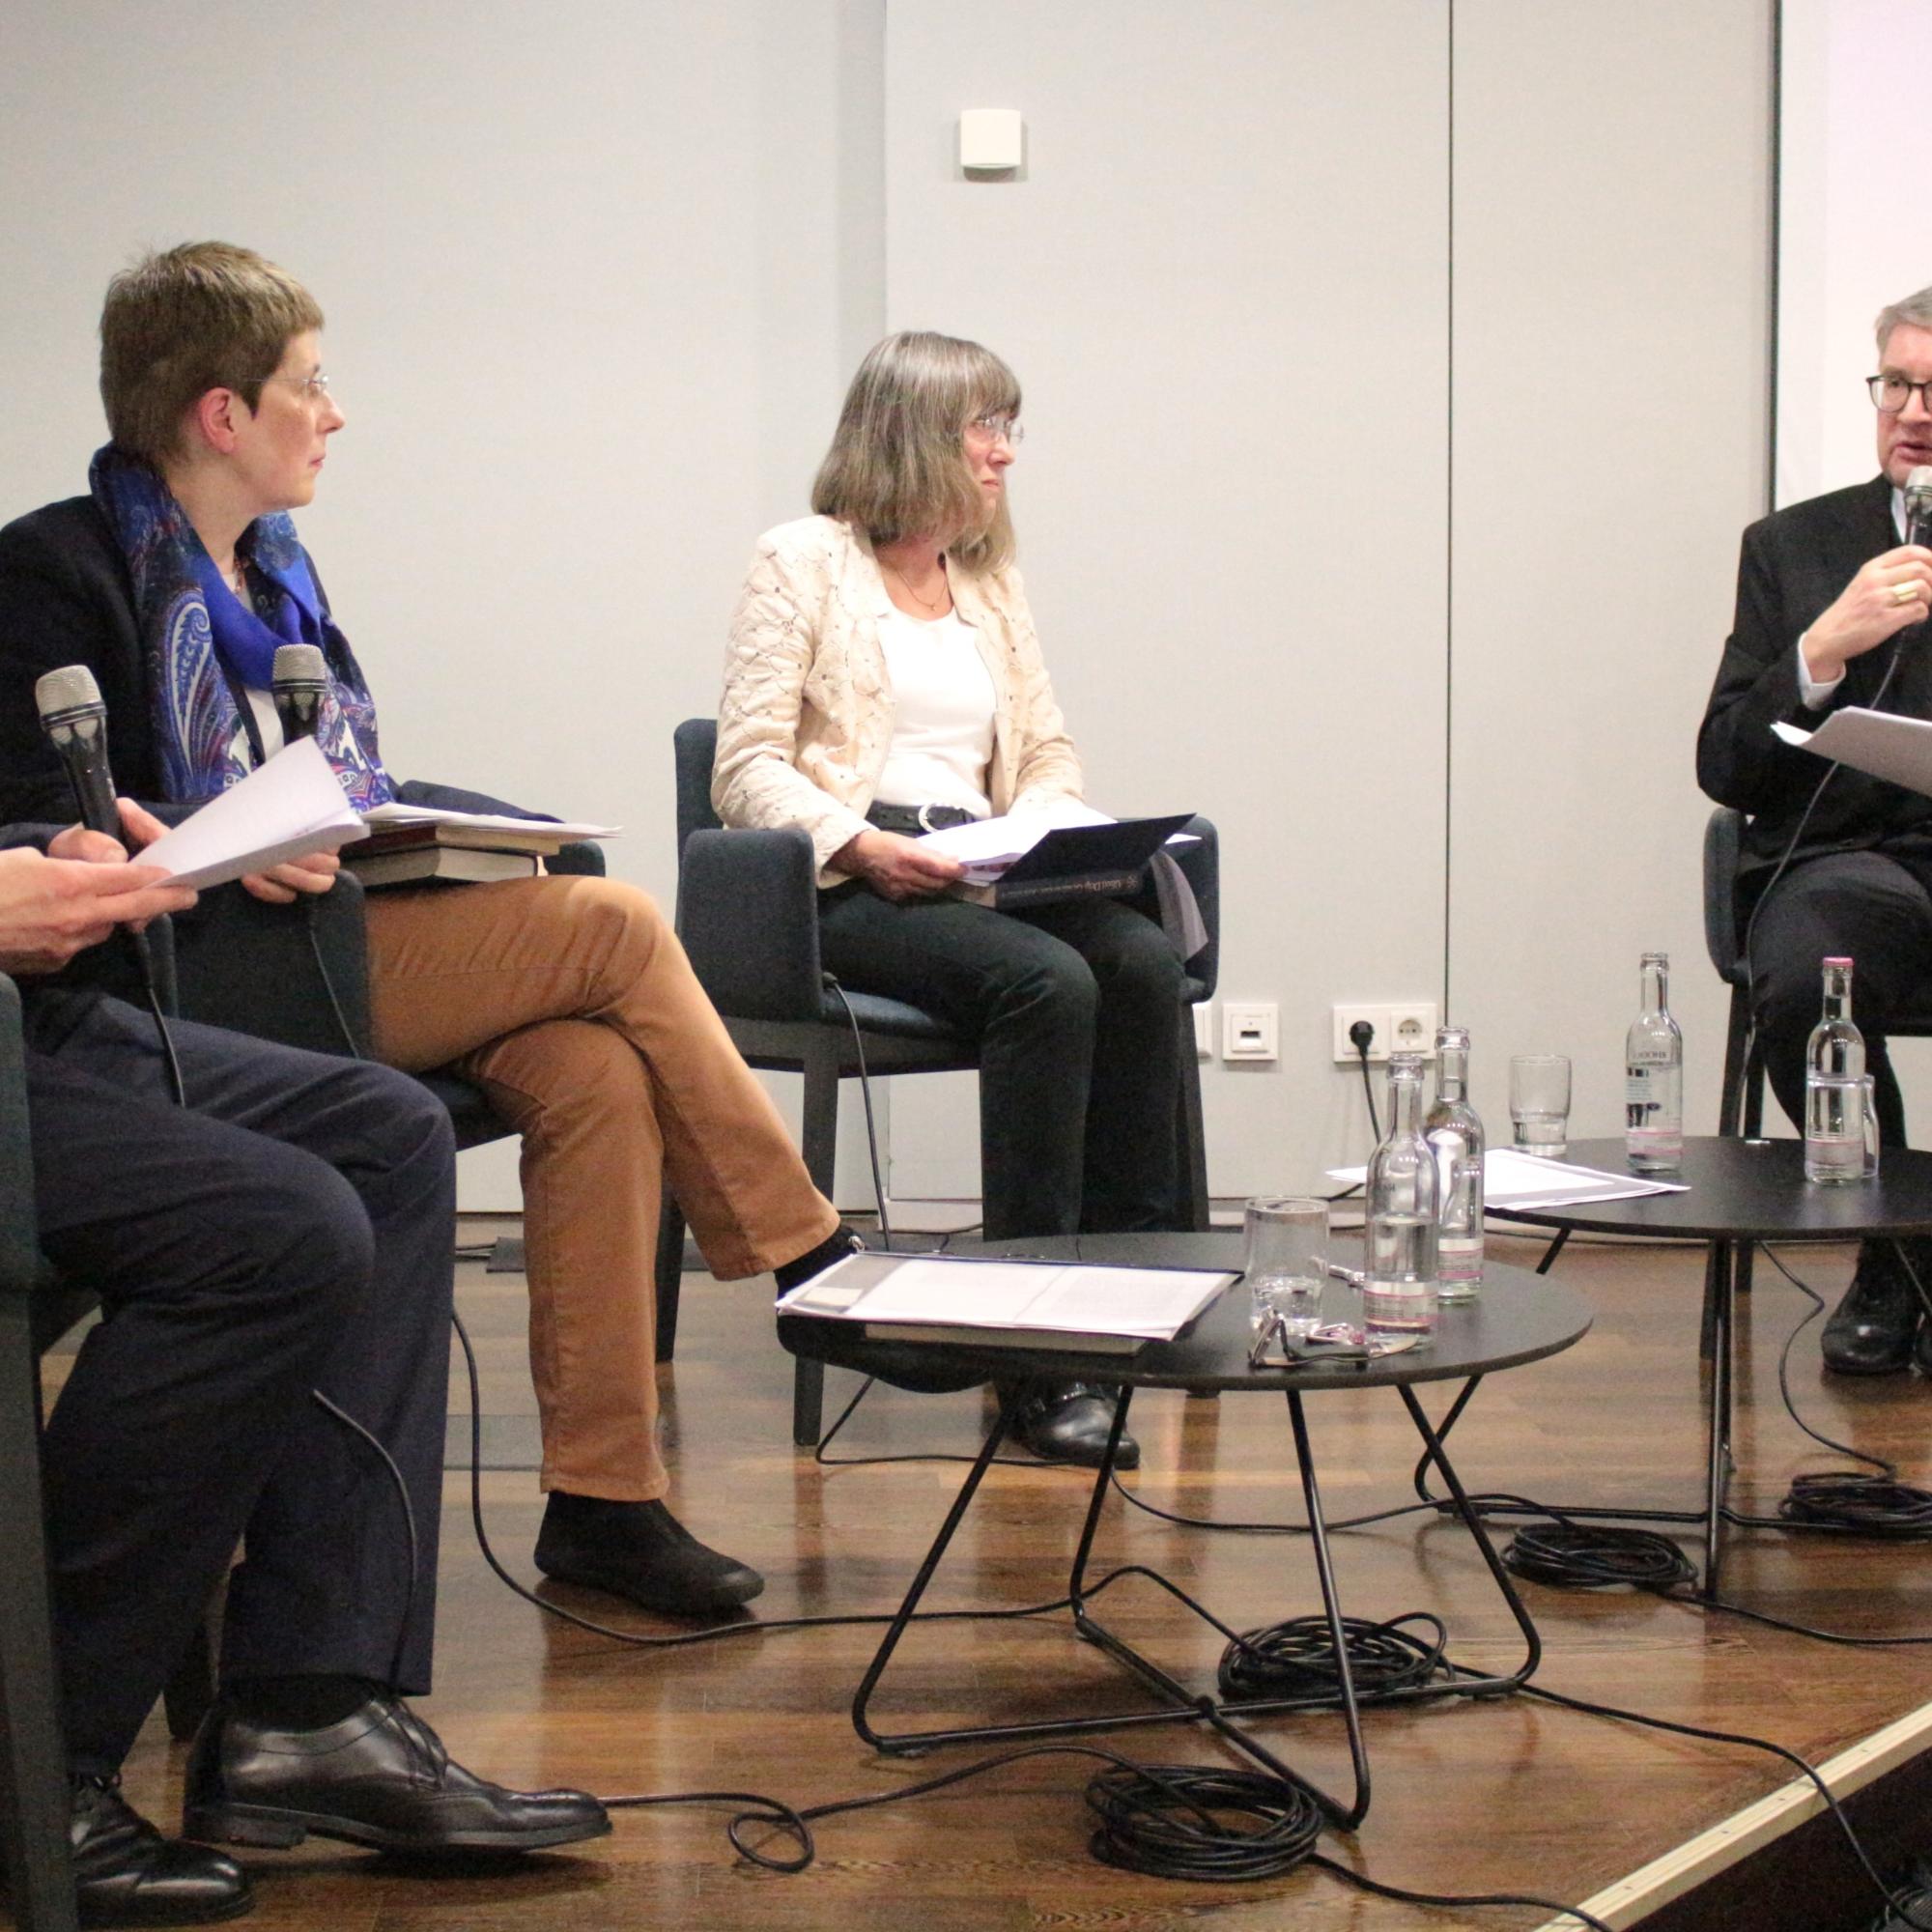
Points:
(1540, 1102)
(1287, 1260)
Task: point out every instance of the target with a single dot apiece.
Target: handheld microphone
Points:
(301, 681)
(75, 722)
(1918, 506)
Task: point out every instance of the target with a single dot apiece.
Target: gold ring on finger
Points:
(1904, 593)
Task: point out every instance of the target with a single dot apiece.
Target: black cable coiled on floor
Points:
(1296, 1659)
(1190, 1821)
(1872, 1505)
(1578, 1556)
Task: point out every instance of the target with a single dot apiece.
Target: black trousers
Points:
(289, 1230)
(1876, 909)
(1076, 1009)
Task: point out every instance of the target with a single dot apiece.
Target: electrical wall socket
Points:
(1345, 1017)
(1249, 1030)
(1412, 1028)
(1407, 1026)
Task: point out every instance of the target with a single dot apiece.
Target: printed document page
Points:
(392, 817)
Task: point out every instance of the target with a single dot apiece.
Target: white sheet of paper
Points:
(1515, 1179)
(1878, 742)
(285, 808)
(389, 817)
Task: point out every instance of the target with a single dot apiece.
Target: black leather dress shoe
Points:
(125, 1873)
(380, 1777)
(1069, 1422)
(1870, 1331)
(641, 1551)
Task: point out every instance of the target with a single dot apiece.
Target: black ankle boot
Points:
(1069, 1422)
(641, 1551)
(1870, 1330)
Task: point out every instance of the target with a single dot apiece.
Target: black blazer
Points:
(1793, 565)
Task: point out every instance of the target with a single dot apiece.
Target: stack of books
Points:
(412, 846)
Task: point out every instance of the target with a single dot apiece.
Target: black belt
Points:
(910, 820)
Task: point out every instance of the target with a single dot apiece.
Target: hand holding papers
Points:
(288, 807)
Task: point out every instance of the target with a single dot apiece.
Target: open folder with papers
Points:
(1015, 1304)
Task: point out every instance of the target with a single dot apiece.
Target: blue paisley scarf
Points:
(192, 625)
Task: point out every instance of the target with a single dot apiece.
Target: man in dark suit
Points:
(273, 1260)
(1830, 605)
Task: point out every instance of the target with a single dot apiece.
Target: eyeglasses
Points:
(1889, 393)
(313, 389)
(1009, 430)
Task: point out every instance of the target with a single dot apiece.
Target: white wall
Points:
(1225, 236)
(1610, 436)
(596, 276)
(1855, 142)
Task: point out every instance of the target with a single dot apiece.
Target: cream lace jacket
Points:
(806, 715)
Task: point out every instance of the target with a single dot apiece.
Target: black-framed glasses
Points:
(1889, 393)
(1005, 429)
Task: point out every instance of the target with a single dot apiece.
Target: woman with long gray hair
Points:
(883, 679)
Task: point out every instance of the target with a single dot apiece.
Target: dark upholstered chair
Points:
(747, 911)
(35, 1308)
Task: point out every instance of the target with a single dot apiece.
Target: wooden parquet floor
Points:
(1507, 1795)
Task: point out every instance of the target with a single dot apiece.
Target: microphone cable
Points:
(1204, 1824)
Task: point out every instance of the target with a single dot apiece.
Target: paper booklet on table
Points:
(1512, 1179)
(1878, 742)
(1019, 1304)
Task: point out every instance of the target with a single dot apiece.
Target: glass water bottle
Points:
(1835, 1072)
(1654, 1077)
(1399, 1291)
(1456, 1134)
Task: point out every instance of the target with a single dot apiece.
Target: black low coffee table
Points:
(1739, 1192)
(1515, 1318)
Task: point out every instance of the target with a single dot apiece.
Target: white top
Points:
(942, 738)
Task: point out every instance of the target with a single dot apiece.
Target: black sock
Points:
(299, 1702)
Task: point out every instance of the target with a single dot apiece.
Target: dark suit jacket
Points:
(1793, 565)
